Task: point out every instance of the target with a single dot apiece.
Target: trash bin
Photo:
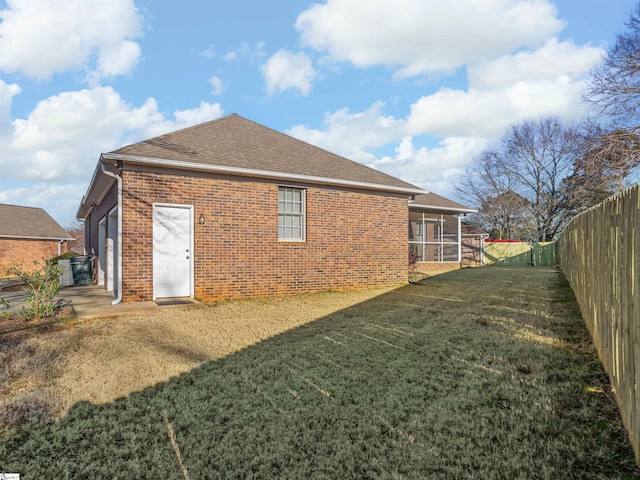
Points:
(81, 270)
(66, 279)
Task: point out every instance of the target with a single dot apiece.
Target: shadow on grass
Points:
(435, 379)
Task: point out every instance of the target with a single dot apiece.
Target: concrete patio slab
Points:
(94, 301)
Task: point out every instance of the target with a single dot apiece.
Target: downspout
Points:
(60, 247)
(118, 298)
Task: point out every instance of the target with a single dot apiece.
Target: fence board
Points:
(512, 254)
(598, 252)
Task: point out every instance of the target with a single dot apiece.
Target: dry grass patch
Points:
(46, 371)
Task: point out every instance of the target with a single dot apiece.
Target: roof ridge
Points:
(197, 126)
(242, 144)
(19, 206)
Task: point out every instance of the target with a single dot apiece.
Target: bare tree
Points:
(504, 216)
(608, 162)
(76, 230)
(527, 168)
(614, 88)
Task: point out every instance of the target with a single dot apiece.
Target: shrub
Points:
(41, 286)
(64, 256)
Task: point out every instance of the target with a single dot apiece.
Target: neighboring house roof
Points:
(29, 222)
(237, 146)
(432, 202)
(472, 230)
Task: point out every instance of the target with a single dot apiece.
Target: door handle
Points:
(187, 257)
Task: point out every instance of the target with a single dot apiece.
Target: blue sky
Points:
(415, 88)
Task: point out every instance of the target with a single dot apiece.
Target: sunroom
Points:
(436, 231)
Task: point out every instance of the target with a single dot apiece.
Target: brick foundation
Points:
(434, 268)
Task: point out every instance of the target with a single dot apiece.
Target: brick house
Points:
(230, 209)
(438, 236)
(29, 234)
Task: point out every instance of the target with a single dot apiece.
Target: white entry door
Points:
(172, 256)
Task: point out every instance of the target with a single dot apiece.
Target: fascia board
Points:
(246, 172)
(446, 209)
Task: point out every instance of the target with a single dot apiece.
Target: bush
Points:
(64, 256)
(41, 286)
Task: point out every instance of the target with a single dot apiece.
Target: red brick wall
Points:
(353, 239)
(21, 251)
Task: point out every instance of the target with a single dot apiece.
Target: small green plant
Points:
(5, 304)
(41, 285)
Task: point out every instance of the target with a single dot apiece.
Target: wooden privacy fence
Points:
(598, 252)
(535, 254)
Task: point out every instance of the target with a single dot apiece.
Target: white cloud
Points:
(254, 54)
(119, 59)
(39, 37)
(217, 87)
(209, 52)
(450, 112)
(289, 71)
(64, 135)
(352, 135)
(204, 113)
(420, 36)
(552, 60)
(434, 169)
(7, 92)
(464, 121)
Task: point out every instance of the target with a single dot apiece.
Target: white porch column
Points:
(459, 238)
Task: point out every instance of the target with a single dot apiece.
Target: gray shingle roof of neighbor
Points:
(235, 142)
(436, 202)
(29, 222)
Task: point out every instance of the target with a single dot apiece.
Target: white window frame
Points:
(302, 215)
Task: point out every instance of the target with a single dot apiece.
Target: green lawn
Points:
(482, 373)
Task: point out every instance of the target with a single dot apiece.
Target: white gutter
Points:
(36, 238)
(249, 172)
(118, 298)
(447, 209)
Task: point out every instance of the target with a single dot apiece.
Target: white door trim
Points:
(190, 208)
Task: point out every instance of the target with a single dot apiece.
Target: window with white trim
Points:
(291, 214)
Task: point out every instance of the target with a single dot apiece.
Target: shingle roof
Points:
(17, 221)
(235, 142)
(434, 201)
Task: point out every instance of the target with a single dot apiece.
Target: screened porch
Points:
(435, 229)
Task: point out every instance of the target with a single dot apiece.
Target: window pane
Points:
(291, 213)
